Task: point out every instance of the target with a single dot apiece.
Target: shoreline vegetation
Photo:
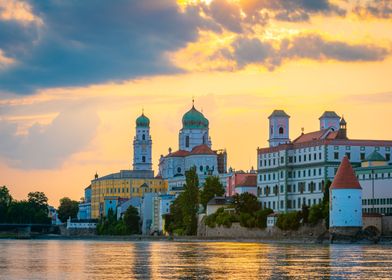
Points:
(144, 238)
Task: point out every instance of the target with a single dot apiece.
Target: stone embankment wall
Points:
(387, 225)
(77, 231)
(304, 233)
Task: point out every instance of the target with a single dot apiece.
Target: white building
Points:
(345, 208)
(194, 150)
(293, 173)
(375, 177)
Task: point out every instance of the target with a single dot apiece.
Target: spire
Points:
(345, 178)
(193, 102)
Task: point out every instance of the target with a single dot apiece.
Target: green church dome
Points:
(375, 156)
(142, 121)
(193, 119)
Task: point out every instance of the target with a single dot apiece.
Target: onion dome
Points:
(375, 156)
(142, 121)
(193, 119)
(345, 178)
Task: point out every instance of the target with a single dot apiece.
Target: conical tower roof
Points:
(345, 178)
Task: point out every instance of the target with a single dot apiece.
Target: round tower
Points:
(279, 128)
(142, 144)
(345, 207)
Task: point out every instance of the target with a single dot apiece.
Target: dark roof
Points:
(345, 178)
(279, 113)
(221, 200)
(329, 114)
(179, 153)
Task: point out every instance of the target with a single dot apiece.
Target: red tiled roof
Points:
(250, 180)
(202, 150)
(179, 153)
(315, 135)
(345, 177)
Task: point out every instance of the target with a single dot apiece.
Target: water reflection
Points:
(30, 259)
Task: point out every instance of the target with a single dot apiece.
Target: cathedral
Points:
(194, 149)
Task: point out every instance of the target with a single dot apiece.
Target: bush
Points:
(247, 220)
(261, 217)
(220, 218)
(288, 221)
(315, 214)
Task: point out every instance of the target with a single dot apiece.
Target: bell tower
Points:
(278, 128)
(142, 144)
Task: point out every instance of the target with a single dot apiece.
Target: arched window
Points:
(205, 138)
(143, 159)
(143, 137)
(281, 130)
(179, 170)
(272, 129)
(201, 168)
(187, 141)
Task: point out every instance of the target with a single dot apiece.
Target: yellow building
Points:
(123, 185)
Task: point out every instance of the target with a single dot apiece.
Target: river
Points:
(69, 259)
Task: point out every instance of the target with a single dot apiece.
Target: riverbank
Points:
(133, 238)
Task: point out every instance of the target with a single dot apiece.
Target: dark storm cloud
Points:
(310, 46)
(85, 42)
(374, 8)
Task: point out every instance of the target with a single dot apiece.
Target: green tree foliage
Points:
(326, 203)
(289, 221)
(315, 213)
(182, 219)
(110, 226)
(5, 202)
(190, 202)
(132, 220)
(261, 217)
(220, 218)
(212, 187)
(68, 208)
(246, 203)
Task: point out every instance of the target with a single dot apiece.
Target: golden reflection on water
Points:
(66, 259)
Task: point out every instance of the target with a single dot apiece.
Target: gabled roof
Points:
(202, 150)
(345, 178)
(250, 180)
(179, 153)
(311, 136)
(329, 114)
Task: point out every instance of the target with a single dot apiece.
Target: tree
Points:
(326, 203)
(212, 187)
(5, 202)
(315, 213)
(246, 203)
(39, 205)
(68, 208)
(305, 213)
(288, 221)
(132, 220)
(190, 201)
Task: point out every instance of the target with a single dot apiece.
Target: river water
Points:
(68, 259)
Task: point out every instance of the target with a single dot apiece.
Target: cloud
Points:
(371, 98)
(374, 8)
(87, 42)
(245, 51)
(47, 147)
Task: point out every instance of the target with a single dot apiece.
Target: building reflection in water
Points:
(69, 259)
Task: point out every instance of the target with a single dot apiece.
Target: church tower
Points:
(279, 128)
(329, 120)
(142, 145)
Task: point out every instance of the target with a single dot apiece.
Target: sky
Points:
(74, 76)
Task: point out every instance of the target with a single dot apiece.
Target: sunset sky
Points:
(74, 76)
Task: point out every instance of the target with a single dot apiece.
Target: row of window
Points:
(296, 151)
(376, 201)
(291, 204)
(374, 176)
(380, 210)
(127, 190)
(291, 174)
(291, 159)
(302, 187)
